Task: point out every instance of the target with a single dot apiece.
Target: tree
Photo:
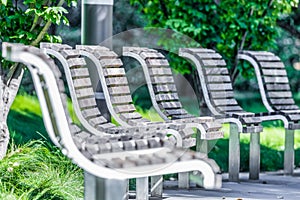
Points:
(27, 22)
(226, 26)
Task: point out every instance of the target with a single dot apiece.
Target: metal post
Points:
(96, 188)
(234, 153)
(142, 188)
(289, 152)
(254, 156)
(96, 26)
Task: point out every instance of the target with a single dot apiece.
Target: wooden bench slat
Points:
(116, 81)
(87, 102)
(85, 92)
(121, 99)
(113, 72)
(222, 94)
(117, 90)
(278, 87)
(274, 72)
(230, 108)
(176, 112)
(124, 108)
(167, 97)
(76, 62)
(214, 62)
(222, 102)
(96, 121)
(216, 71)
(262, 53)
(133, 115)
(288, 107)
(219, 87)
(267, 58)
(105, 54)
(91, 113)
(197, 50)
(162, 79)
(283, 101)
(164, 88)
(79, 72)
(222, 79)
(207, 55)
(83, 82)
(147, 55)
(160, 71)
(272, 65)
(157, 62)
(168, 105)
(111, 62)
(70, 53)
(276, 79)
(279, 94)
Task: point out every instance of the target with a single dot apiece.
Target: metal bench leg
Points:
(289, 152)
(234, 153)
(142, 188)
(254, 157)
(183, 180)
(96, 188)
(156, 186)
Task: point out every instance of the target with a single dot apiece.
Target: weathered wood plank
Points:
(214, 62)
(164, 88)
(216, 71)
(160, 71)
(278, 87)
(117, 90)
(85, 92)
(272, 65)
(116, 81)
(124, 108)
(223, 102)
(87, 103)
(162, 79)
(222, 94)
(218, 78)
(121, 99)
(113, 72)
(274, 72)
(147, 55)
(166, 97)
(83, 82)
(279, 94)
(157, 62)
(282, 101)
(80, 72)
(275, 79)
(219, 87)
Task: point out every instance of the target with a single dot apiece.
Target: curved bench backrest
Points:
(160, 82)
(272, 79)
(114, 84)
(214, 78)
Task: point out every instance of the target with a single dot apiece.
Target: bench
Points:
(113, 158)
(112, 76)
(77, 75)
(276, 95)
(218, 95)
(210, 65)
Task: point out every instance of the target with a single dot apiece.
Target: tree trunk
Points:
(8, 92)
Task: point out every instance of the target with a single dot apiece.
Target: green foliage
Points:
(38, 171)
(227, 26)
(28, 21)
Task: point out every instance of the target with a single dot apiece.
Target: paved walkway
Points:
(271, 186)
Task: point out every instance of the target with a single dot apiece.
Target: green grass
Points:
(37, 170)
